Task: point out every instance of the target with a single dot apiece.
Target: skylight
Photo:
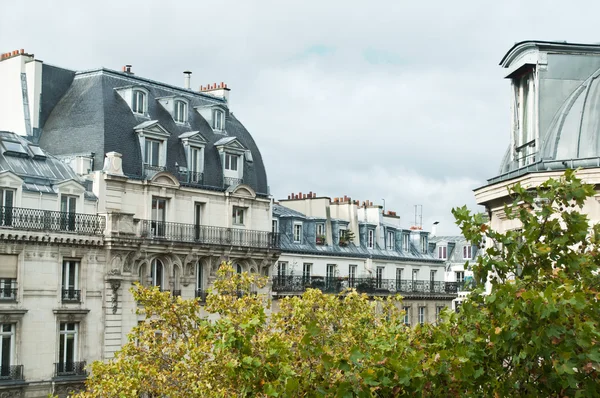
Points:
(14, 149)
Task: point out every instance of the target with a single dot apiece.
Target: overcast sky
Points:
(395, 100)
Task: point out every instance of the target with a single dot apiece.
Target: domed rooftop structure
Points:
(555, 107)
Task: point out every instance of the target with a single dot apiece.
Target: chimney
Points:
(113, 164)
(187, 79)
(218, 90)
(127, 69)
(434, 228)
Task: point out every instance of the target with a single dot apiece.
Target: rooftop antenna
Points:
(419, 216)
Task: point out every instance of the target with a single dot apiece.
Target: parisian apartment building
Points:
(108, 179)
(335, 244)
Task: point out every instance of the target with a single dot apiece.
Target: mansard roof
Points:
(88, 115)
(39, 171)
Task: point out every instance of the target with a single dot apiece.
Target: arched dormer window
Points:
(139, 102)
(218, 119)
(180, 114)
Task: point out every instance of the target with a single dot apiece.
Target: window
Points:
(68, 207)
(415, 275)
(200, 293)
(460, 276)
(6, 204)
(297, 233)
(8, 276)
(151, 152)
(442, 252)
(218, 119)
(352, 275)
(399, 272)
(238, 215)
(330, 275)
(438, 312)
(281, 268)
(320, 229)
(390, 240)
(275, 226)
(370, 239)
(467, 252)
(181, 111)
(379, 278)
(195, 165)
(406, 242)
(231, 162)
(70, 281)
(524, 123)
(238, 268)
(159, 216)
(421, 315)
(156, 274)
(138, 104)
(7, 348)
(306, 272)
(67, 351)
(423, 244)
(407, 316)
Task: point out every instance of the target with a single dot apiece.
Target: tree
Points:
(534, 334)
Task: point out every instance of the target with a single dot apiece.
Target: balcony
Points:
(54, 221)
(8, 293)
(201, 294)
(11, 373)
(151, 170)
(232, 182)
(376, 286)
(191, 178)
(204, 234)
(176, 293)
(71, 296)
(70, 369)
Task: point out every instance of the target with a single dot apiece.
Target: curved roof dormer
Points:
(178, 107)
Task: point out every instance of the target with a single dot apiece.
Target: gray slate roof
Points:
(92, 117)
(38, 174)
(309, 246)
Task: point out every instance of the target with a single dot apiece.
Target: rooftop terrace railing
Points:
(46, 220)
(299, 284)
(205, 234)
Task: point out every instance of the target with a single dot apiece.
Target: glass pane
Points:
(5, 355)
(234, 163)
(8, 199)
(154, 153)
(70, 348)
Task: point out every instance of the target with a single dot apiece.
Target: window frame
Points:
(238, 215)
(405, 242)
(63, 338)
(230, 164)
(180, 111)
(11, 334)
(391, 238)
(421, 315)
(320, 228)
(298, 232)
(371, 238)
(149, 154)
(443, 252)
(467, 252)
(136, 94)
(459, 276)
(155, 275)
(406, 319)
(218, 120)
(275, 226)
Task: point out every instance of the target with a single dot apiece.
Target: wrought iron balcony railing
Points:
(150, 170)
(232, 182)
(191, 177)
(8, 293)
(465, 286)
(46, 220)
(69, 369)
(205, 234)
(201, 294)
(71, 296)
(298, 284)
(11, 373)
(176, 293)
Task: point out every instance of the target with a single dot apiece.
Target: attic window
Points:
(37, 152)
(138, 102)
(218, 121)
(14, 149)
(181, 112)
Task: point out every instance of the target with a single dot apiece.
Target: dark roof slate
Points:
(92, 117)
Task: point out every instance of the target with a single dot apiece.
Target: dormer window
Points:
(138, 102)
(181, 112)
(152, 152)
(231, 162)
(524, 116)
(218, 119)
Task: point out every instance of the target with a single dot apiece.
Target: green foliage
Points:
(534, 334)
